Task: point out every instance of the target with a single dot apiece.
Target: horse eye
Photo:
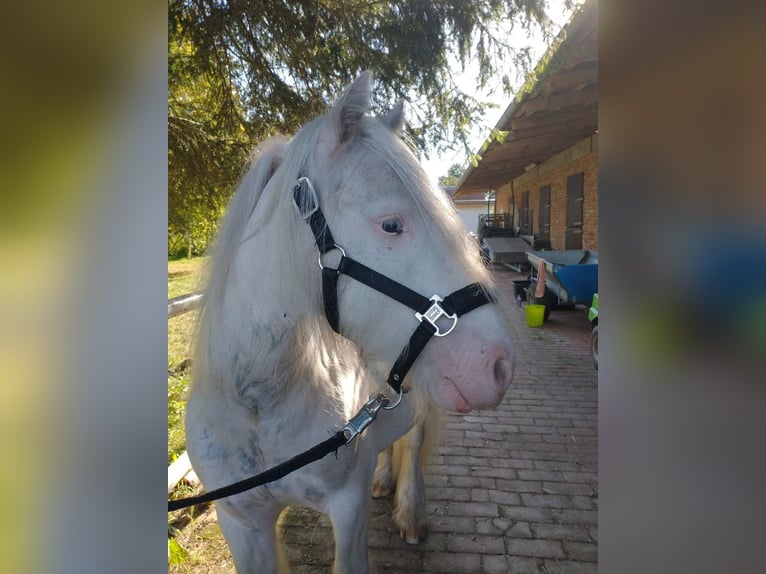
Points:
(392, 226)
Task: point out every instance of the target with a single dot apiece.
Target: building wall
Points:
(581, 157)
(469, 213)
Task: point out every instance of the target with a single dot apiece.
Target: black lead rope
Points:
(281, 470)
(353, 428)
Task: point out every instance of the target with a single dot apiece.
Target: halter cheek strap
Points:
(432, 313)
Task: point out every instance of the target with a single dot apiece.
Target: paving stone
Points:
(388, 560)
(451, 563)
(519, 486)
(465, 481)
(578, 517)
(522, 565)
(519, 530)
(494, 565)
(448, 493)
(504, 497)
(514, 489)
(479, 495)
(527, 514)
(567, 488)
(541, 475)
(473, 509)
(561, 532)
(585, 502)
(475, 543)
(537, 548)
(547, 500)
(484, 471)
(569, 567)
(453, 524)
(581, 551)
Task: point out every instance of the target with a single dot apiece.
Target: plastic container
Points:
(520, 288)
(535, 315)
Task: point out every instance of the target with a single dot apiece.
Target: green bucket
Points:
(535, 315)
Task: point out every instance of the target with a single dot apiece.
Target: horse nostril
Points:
(503, 372)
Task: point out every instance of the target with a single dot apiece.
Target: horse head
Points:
(385, 212)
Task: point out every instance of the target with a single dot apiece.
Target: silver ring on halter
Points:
(398, 400)
(335, 246)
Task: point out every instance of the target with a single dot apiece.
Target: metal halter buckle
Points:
(367, 414)
(436, 312)
(310, 203)
(335, 246)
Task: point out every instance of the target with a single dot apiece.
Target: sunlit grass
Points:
(183, 277)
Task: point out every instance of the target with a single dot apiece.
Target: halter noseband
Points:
(427, 310)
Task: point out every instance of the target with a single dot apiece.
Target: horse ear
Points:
(395, 118)
(264, 163)
(268, 157)
(351, 106)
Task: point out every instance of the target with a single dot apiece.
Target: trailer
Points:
(510, 251)
(571, 278)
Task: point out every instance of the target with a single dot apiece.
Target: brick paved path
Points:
(510, 490)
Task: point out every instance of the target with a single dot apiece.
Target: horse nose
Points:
(502, 370)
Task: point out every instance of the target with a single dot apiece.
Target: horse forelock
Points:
(436, 211)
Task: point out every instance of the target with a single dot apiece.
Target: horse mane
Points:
(263, 193)
(433, 205)
(259, 169)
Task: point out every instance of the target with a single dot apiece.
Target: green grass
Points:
(196, 545)
(183, 276)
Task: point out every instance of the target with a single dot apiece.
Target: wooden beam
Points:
(585, 96)
(570, 80)
(582, 114)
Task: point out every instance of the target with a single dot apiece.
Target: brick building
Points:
(545, 172)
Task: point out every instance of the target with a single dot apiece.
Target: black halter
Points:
(427, 311)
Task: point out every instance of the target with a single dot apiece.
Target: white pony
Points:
(272, 379)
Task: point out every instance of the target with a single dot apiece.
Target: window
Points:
(573, 239)
(544, 217)
(526, 223)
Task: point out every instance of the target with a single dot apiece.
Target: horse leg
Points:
(349, 509)
(253, 544)
(410, 501)
(383, 481)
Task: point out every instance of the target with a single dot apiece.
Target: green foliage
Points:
(498, 135)
(177, 554)
(177, 386)
(454, 173)
(183, 278)
(239, 72)
(206, 150)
